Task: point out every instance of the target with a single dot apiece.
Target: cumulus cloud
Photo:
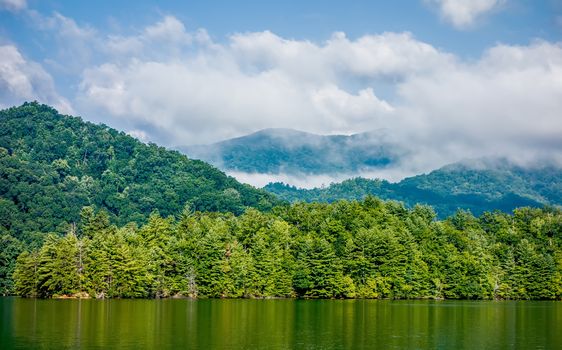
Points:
(442, 109)
(384, 55)
(210, 91)
(24, 80)
(181, 85)
(176, 86)
(332, 102)
(13, 5)
(507, 103)
(463, 13)
(169, 29)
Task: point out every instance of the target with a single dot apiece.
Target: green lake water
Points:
(278, 324)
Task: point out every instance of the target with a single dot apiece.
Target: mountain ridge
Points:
(455, 186)
(283, 150)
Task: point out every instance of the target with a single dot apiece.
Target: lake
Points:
(278, 324)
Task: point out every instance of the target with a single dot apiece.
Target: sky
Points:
(445, 79)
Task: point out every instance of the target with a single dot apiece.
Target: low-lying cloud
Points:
(309, 181)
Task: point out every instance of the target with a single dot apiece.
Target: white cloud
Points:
(317, 180)
(442, 109)
(257, 80)
(463, 13)
(389, 54)
(299, 180)
(253, 81)
(177, 87)
(13, 5)
(24, 80)
(508, 103)
(384, 55)
(169, 29)
(333, 102)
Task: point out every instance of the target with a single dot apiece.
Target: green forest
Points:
(368, 249)
(52, 165)
(490, 185)
(88, 211)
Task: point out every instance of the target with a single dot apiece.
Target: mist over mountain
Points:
(477, 185)
(297, 166)
(288, 151)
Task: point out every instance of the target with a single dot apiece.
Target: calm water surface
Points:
(278, 324)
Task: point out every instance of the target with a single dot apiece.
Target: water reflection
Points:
(278, 324)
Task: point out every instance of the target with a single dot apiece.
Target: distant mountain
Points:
(478, 186)
(52, 165)
(288, 151)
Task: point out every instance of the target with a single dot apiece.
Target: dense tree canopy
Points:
(368, 249)
(89, 211)
(493, 185)
(52, 165)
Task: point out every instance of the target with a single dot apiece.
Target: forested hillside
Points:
(484, 186)
(368, 249)
(287, 151)
(88, 211)
(51, 166)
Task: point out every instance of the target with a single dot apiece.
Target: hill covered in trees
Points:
(368, 249)
(52, 166)
(478, 186)
(87, 210)
(288, 151)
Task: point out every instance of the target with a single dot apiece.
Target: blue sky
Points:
(445, 79)
(515, 22)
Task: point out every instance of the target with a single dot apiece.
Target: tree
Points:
(10, 248)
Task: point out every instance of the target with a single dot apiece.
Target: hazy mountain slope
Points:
(294, 152)
(52, 165)
(479, 187)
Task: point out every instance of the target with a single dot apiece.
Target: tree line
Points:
(347, 249)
